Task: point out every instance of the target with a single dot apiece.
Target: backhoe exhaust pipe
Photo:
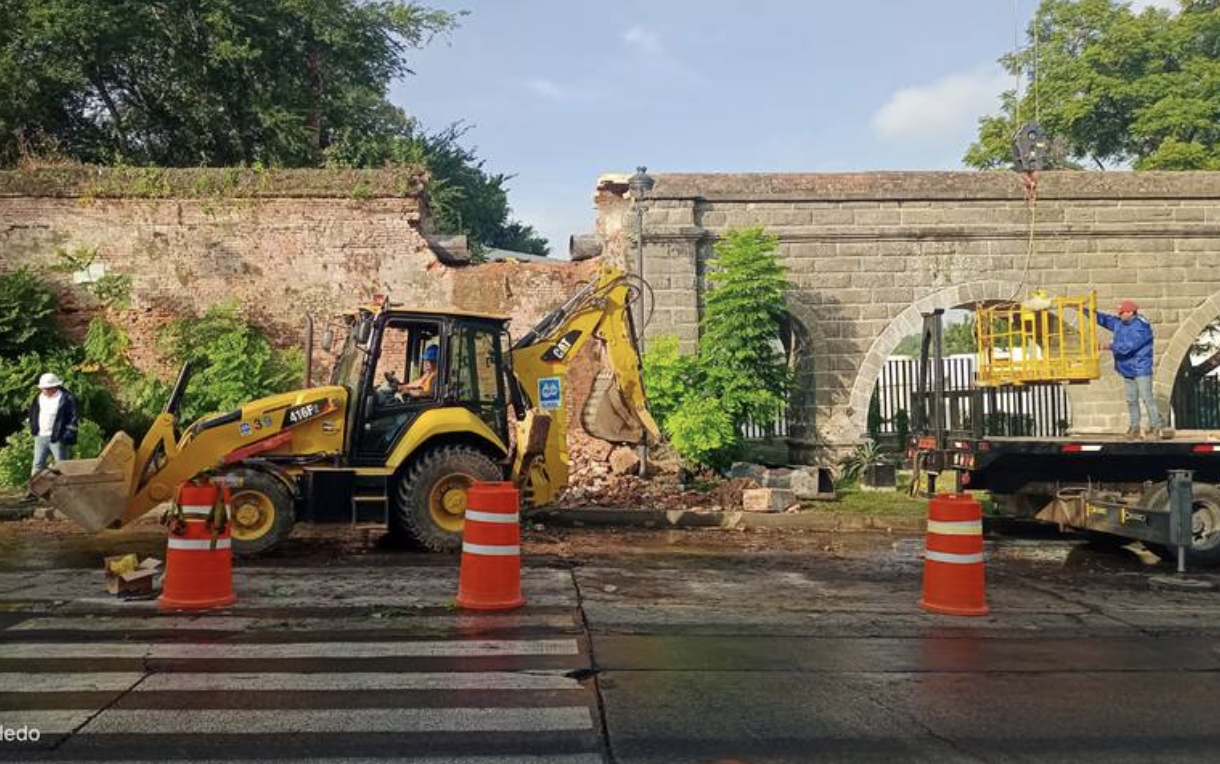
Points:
(308, 351)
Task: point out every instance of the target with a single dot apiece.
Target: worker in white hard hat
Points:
(53, 421)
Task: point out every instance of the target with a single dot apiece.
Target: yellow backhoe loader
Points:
(374, 446)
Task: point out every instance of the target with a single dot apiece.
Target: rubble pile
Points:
(606, 476)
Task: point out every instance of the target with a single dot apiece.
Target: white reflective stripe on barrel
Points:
(956, 527)
(499, 550)
(198, 545)
(492, 517)
(196, 510)
(957, 559)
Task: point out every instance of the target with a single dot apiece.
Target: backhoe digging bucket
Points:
(92, 492)
(607, 416)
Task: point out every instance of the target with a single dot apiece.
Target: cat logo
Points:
(560, 349)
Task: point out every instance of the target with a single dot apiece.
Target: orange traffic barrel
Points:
(490, 577)
(199, 554)
(953, 579)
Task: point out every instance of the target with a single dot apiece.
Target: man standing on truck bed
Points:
(1132, 348)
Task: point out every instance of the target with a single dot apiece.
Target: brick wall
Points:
(276, 244)
(869, 252)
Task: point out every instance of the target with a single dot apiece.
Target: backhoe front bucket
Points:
(92, 492)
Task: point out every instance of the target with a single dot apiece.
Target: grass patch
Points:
(854, 501)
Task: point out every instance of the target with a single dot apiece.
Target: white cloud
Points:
(649, 48)
(942, 111)
(645, 41)
(550, 90)
(1166, 5)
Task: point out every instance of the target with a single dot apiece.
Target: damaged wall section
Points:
(275, 244)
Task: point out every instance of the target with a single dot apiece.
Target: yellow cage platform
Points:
(1040, 340)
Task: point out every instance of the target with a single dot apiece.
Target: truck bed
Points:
(1179, 436)
(1007, 463)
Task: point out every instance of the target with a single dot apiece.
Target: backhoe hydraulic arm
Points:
(617, 408)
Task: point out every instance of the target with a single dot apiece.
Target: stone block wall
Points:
(867, 253)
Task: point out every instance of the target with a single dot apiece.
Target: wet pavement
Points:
(636, 646)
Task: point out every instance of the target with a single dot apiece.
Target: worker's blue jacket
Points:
(1132, 344)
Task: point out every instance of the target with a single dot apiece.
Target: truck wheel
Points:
(262, 513)
(1204, 549)
(431, 504)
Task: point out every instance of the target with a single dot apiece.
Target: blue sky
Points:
(561, 91)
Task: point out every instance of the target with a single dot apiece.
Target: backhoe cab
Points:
(417, 409)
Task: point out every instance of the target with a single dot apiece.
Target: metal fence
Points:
(1196, 404)
(775, 429)
(1025, 410)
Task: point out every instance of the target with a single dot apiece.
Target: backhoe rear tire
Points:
(262, 513)
(431, 501)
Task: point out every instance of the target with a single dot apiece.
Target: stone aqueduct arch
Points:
(910, 321)
(1171, 354)
(868, 253)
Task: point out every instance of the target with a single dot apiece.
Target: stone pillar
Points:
(673, 265)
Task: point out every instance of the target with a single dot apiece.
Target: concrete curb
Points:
(680, 518)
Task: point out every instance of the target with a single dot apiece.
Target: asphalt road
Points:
(634, 647)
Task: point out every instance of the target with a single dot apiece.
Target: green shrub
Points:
(15, 458)
(27, 306)
(669, 377)
(703, 432)
(233, 362)
(866, 456)
(90, 440)
(18, 385)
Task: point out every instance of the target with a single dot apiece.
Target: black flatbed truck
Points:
(1097, 483)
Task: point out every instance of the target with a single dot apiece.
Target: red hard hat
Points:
(1128, 306)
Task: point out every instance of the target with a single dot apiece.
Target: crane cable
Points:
(1029, 178)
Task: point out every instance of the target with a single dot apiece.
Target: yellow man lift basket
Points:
(1042, 339)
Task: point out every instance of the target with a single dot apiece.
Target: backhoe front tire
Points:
(261, 513)
(431, 501)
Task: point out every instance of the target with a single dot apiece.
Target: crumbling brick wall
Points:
(275, 247)
(275, 244)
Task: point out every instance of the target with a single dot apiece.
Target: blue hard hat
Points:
(431, 353)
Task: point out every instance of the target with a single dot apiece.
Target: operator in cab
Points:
(421, 386)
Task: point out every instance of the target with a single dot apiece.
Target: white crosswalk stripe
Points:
(247, 722)
(130, 624)
(577, 758)
(113, 687)
(215, 650)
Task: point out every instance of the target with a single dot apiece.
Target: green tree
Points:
(465, 197)
(183, 83)
(739, 346)
(279, 83)
(956, 339)
(739, 375)
(1115, 87)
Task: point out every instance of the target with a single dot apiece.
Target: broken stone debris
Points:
(808, 483)
(624, 461)
(606, 475)
(767, 499)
